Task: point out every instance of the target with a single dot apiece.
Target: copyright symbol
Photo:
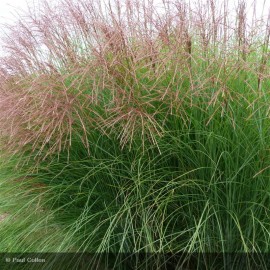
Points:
(7, 259)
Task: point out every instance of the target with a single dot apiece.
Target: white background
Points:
(9, 9)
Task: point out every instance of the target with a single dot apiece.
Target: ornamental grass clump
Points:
(137, 127)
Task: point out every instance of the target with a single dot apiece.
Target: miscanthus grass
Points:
(138, 128)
